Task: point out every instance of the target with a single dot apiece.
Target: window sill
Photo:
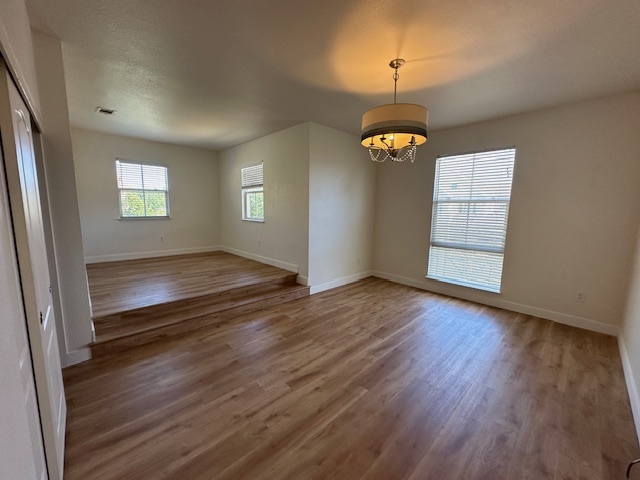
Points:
(127, 219)
(254, 220)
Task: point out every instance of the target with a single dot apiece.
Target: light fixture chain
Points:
(395, 84)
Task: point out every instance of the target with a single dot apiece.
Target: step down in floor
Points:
(131, 328)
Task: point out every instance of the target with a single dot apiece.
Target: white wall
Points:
(573, 214)
(193, 198)
(69, 279)
(282, 239)
(629, 340)
(341, 208)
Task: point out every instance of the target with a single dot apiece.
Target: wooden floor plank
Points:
(370, 381)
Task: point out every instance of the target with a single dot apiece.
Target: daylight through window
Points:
(469, 224)
(253, 193)
(143, 190)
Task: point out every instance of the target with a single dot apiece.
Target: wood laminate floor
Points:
(132, 284)
(370, 381)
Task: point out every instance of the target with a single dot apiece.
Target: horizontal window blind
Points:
(469, 222)
(141, 177)
(252, 176)
(143, 190)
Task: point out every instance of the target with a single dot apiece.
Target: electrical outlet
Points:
(580, 297)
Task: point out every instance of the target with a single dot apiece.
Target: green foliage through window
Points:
(135, 203)
(255, 208)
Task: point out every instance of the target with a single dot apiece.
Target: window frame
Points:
(143, 191)
(472, 206)
(248, 189)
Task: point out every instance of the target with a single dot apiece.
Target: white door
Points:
(21, 451)
(32, 257)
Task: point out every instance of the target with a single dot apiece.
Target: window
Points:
(253, 193)
(469, 224)
(143, 190)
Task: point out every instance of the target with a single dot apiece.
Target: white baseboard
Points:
(303, 280)
(77, 356)
(139, 255)
(259, 258)
(339, 282)
(632, 387)
(571, 320)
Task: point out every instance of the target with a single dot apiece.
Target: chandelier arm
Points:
(385, 143)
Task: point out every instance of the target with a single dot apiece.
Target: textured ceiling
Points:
(215, 74)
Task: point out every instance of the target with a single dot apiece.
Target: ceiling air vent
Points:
(105, 111)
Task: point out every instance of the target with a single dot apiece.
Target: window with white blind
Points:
(143, 190)
(253, 193)
(469, 223)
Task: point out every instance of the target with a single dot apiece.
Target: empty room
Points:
(368, 239)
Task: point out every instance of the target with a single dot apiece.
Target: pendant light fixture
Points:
(393, 131)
